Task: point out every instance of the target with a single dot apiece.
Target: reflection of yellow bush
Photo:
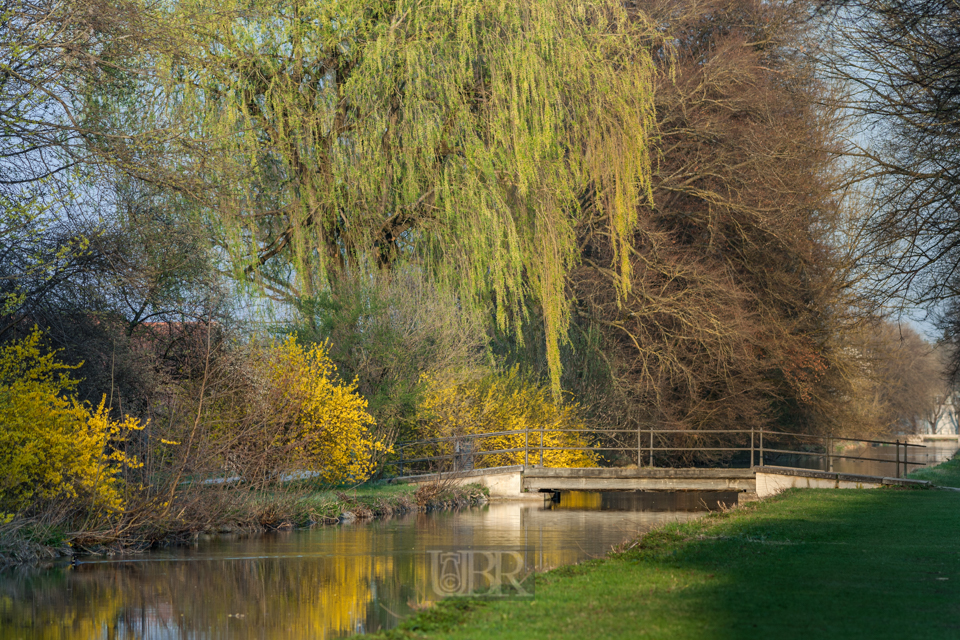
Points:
(505, 402)
(52, 446)
(330, 425)
(329, 596)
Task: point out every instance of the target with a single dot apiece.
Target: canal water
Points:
(325, 582)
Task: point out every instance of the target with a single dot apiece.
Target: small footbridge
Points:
(520, 464)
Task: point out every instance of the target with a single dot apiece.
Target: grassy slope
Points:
(807, 564)
(946, 474)
(380, 498)
(330, 503)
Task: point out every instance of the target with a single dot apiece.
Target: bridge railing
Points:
(674, 447)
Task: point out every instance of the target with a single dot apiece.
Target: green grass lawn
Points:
(806, 564)
(946, 474)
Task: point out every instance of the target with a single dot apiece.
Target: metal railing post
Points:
(829, 453)
(541, 447)
(639, 447)
(401, 461)
(651, 446)
(898, 457)
(761, 447)
(752, 454)
(526, 449)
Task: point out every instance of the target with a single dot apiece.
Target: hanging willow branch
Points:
(469, 135)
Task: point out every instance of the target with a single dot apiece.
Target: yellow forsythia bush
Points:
(51, 445)
(501, 402)
(328, 427)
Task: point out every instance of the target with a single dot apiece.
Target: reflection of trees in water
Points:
(322, 583)
(652, 501)
(33, 606)
(316, 597)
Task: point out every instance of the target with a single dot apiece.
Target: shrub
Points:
(52, 447)
(330, 429)
(273, 411)
(499, 402)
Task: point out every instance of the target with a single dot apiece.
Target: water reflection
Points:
(651, 501)
(321, 583)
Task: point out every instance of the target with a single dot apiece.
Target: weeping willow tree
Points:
(470, 136)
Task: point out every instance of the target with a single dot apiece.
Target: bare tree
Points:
(900, 61)
(738, 293)
(87, 253)
(902, 381)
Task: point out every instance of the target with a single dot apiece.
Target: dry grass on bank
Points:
(216, 509)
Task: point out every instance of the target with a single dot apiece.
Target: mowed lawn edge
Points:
(878, 563)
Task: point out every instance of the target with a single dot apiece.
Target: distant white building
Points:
(943, 418)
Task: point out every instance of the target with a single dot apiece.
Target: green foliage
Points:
(368, 350)
(51, 446)
(386, 333)
(471, 135)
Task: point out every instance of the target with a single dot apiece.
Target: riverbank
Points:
(232, 512)
(880, 563)
(945, 474)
